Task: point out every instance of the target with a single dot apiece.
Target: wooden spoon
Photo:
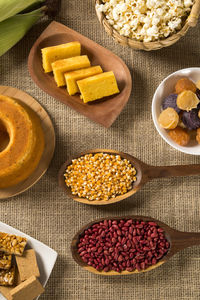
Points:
(144, 174)
(178, 241)
(103, 112)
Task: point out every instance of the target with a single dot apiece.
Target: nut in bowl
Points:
(184, 109)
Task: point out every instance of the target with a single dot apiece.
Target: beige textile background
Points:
(44, 211)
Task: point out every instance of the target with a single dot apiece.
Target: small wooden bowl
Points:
(49, 135)
(148, 46)
(103, 112)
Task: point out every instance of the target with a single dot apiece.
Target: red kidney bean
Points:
(124, 264)
(129, 269)
(134, 232)
(107, 261)
(125, 228)
(113, 240)
(142, 265)
(131, 255)
(123, 241)
(115, 226)
(125, 247)
(122, 245)
(138, 267)
(115, 235)
(130, 236)
(128, 244)
(130, 230)
(135, 241)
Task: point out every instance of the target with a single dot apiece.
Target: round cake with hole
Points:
(21, 141)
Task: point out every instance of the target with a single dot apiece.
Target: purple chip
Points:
(170, 101)
(190, 119)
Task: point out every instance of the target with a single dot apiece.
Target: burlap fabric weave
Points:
(45, 212)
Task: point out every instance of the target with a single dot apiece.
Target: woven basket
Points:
(148, 46)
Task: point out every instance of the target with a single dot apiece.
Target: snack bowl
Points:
(190, 22)
(165, 88)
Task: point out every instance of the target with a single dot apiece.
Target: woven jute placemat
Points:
(44, 211)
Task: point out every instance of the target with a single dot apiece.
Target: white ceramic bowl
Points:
(164, 89)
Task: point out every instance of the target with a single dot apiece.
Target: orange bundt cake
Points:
(24, 148)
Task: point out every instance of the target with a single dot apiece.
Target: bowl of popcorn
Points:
(147, 24)
(176, 110)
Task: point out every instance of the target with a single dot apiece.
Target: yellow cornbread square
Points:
(66, 65)
(51, 54)
(98, 86)
(71, 78)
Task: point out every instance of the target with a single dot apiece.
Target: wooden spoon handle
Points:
(171, 171)
(183, 240)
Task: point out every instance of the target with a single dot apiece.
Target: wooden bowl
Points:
(103, 112)
(148, 46)
(49, 135)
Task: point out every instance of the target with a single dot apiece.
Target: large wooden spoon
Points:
(178, 241)
(144, 174)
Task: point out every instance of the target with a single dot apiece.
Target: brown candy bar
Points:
(27, 290)
(12, 244)
(7, 277)
(27, 265)
(5, 261)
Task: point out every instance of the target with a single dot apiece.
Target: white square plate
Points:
(46, 257)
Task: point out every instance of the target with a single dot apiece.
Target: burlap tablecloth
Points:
(44, 211)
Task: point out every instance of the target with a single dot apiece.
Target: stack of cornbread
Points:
(74, 70)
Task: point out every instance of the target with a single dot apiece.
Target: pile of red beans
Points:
(121, 245)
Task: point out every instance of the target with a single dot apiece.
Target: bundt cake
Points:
(25, 146)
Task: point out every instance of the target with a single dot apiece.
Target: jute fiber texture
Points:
(44, 211)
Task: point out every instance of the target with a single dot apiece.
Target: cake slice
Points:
(72, 77)
(51, 54)
(70, 64)
(98, 86)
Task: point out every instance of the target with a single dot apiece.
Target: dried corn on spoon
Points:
(144, 173)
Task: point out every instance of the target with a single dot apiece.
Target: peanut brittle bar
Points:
(12, 244)
(6, 290)
(7, 277)
(5, 261)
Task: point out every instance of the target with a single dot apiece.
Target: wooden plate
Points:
(49, 142)
(103, 112)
